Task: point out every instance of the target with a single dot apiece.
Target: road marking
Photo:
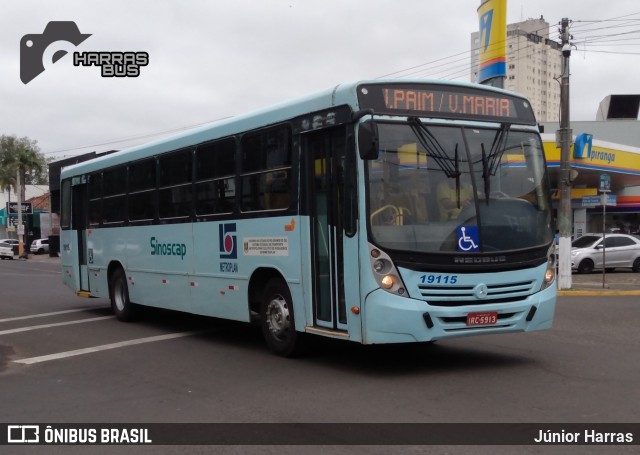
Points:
(43, 315)
(58, 324)
(105, 347)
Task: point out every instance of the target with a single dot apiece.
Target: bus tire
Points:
(277, 320)
(122, 307)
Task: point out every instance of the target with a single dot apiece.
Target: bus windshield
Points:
(431, 182)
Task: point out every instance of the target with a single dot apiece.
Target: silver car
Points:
(6, 251)
(40, 246)
(618, 250)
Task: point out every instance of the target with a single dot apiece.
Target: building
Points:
(533, 62)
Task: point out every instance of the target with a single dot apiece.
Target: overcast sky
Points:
(217, 58)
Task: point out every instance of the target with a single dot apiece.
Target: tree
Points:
(23, 155)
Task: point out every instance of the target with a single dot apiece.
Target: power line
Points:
(455, 70)
(609, 52)
(135, 137)
(451, 65)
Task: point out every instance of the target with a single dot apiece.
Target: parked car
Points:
(13, 243)
(40, 246)
(620, 250)
(6, 251)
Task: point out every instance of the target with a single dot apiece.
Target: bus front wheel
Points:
(122, 307)
(278, 325)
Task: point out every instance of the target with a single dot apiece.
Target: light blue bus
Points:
(385, 211)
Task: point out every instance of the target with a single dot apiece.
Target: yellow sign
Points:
(577, 193)
(493, 39)
(601, 158)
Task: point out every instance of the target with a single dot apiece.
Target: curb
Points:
(604, 292)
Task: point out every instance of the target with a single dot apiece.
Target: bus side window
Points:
(277, 190)
(65, 199)
(114, 184)
(266, 170)
(215, 185)
(95, 199)
(175, 195)
(142, 190)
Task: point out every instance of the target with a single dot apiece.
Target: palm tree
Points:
(7, 172)
(20, 155)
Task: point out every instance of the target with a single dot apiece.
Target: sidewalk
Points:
(618, 282)
(38, 258)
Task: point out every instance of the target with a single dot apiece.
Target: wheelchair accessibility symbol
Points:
(468, 238)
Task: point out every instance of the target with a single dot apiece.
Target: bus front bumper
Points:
(394, 319)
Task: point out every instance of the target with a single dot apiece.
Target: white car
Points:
(40, 246)
(6, 251)
(621, 250)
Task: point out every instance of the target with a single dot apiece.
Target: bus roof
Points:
(342, 94)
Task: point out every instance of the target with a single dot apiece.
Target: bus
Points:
(384, 211)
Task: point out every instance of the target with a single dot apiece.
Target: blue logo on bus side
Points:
(228, 241)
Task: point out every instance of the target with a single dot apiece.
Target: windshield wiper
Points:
(498, 147)
(486, 175)
(434, 149)
(490, 162)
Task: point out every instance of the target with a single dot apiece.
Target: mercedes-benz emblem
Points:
(481, 291)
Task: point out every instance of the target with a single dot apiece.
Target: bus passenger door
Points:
(324, 152)
(79, 211)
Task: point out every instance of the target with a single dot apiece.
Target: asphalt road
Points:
(66, 359)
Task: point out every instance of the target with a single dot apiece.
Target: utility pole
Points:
(565, 137)
(20, 226)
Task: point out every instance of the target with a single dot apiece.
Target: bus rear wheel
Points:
(122, 307)
(278, 324)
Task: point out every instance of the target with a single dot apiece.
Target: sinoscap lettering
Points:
(167, 249)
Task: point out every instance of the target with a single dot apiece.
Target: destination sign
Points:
(446, 102)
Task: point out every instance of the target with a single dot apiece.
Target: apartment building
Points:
(534, 64)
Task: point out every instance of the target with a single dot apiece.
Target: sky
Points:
(211, 59)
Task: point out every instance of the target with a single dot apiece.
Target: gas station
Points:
(598, 163)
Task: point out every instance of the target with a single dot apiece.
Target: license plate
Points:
(486, 318)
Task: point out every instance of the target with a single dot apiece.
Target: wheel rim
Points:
(278, 318)
(118, 296)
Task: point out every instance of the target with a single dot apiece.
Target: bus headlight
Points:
(387, 282)
(385, 272)
(550, 273)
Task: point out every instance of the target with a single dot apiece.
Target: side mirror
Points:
(368, 141)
